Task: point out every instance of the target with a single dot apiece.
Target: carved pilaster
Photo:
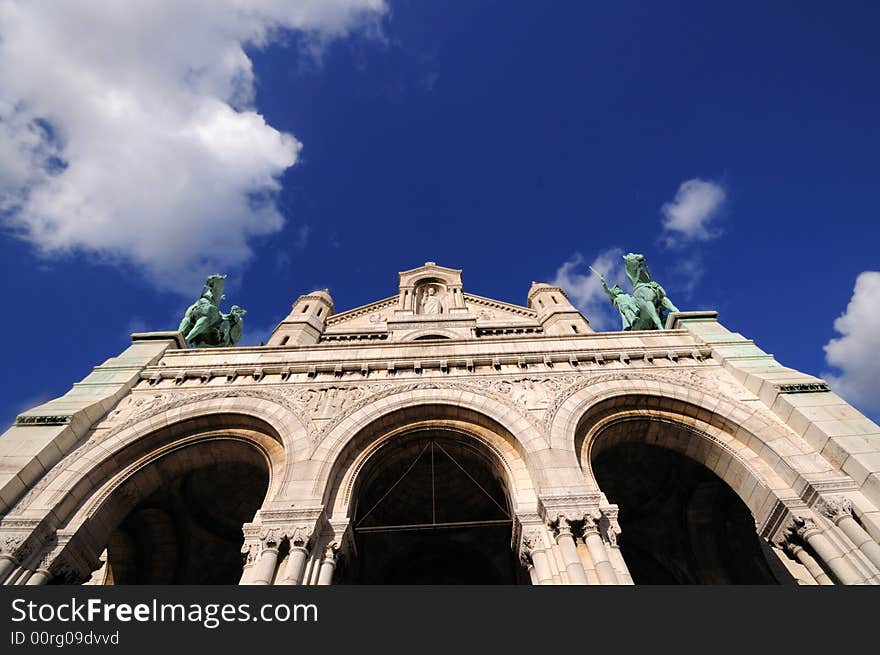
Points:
(609, 527)
(530, 542)
(249, 551)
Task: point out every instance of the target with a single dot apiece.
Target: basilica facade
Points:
(438, 436)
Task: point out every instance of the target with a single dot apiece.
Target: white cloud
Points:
(127, 129)
(585, 290)
(855, 353)
(689, 215)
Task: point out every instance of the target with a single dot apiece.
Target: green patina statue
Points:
(646, 308)
(205, 326)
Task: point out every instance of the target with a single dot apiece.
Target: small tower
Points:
(556, 314)
(305, 323)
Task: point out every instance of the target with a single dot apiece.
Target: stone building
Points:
(437, 436)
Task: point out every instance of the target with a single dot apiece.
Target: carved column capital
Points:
(590, 524)
(300, 536)
(271, 538)
(561, 527)
(804, 527)
(10, 546)
(331, 551)
(835, 508)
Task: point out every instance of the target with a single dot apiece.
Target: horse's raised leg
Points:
(186, 324)
(200, 327)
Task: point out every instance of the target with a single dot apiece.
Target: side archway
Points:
(689, 494)
(167, 507)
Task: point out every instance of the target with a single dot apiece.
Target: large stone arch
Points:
(759, 487)
(751, 432)
(112, 449)
(510, 435)
(88, 530)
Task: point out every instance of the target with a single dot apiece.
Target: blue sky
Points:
(308, 145)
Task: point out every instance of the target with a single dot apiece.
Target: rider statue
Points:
(205, 326)
(646, 308)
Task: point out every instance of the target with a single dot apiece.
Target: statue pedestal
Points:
(675, 319)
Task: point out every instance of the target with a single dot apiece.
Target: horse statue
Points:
(646, 308)
(204, 325)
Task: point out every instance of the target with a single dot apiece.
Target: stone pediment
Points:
(487, 310)
(377, 315)
(373, 316)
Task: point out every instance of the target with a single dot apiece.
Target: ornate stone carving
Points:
(300, 536)
(561, 526)
(249, 552)
(10, 544)
(392, 389)
(835, 508)
(686, 378)
(271, 537)
(164, 402)
(331, 551)
(609, 528)
(530, 542)
(430, 299)
(590, 524)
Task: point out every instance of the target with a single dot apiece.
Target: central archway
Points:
(431, 506)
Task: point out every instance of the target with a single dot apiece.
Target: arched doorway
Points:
(680, 522)
(175, 514)
(189, 530)
(431, 507)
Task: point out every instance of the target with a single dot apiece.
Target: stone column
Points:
(7, 565)
(565, 541)
(806, 529)
(39, 577)
(267, 561)
(596, 546)
(328, 564)
(533, 550)
(299, 555)
(800, 554)
(839, 511)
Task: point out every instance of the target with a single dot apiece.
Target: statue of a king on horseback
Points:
(205, 326)
(647, 307)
